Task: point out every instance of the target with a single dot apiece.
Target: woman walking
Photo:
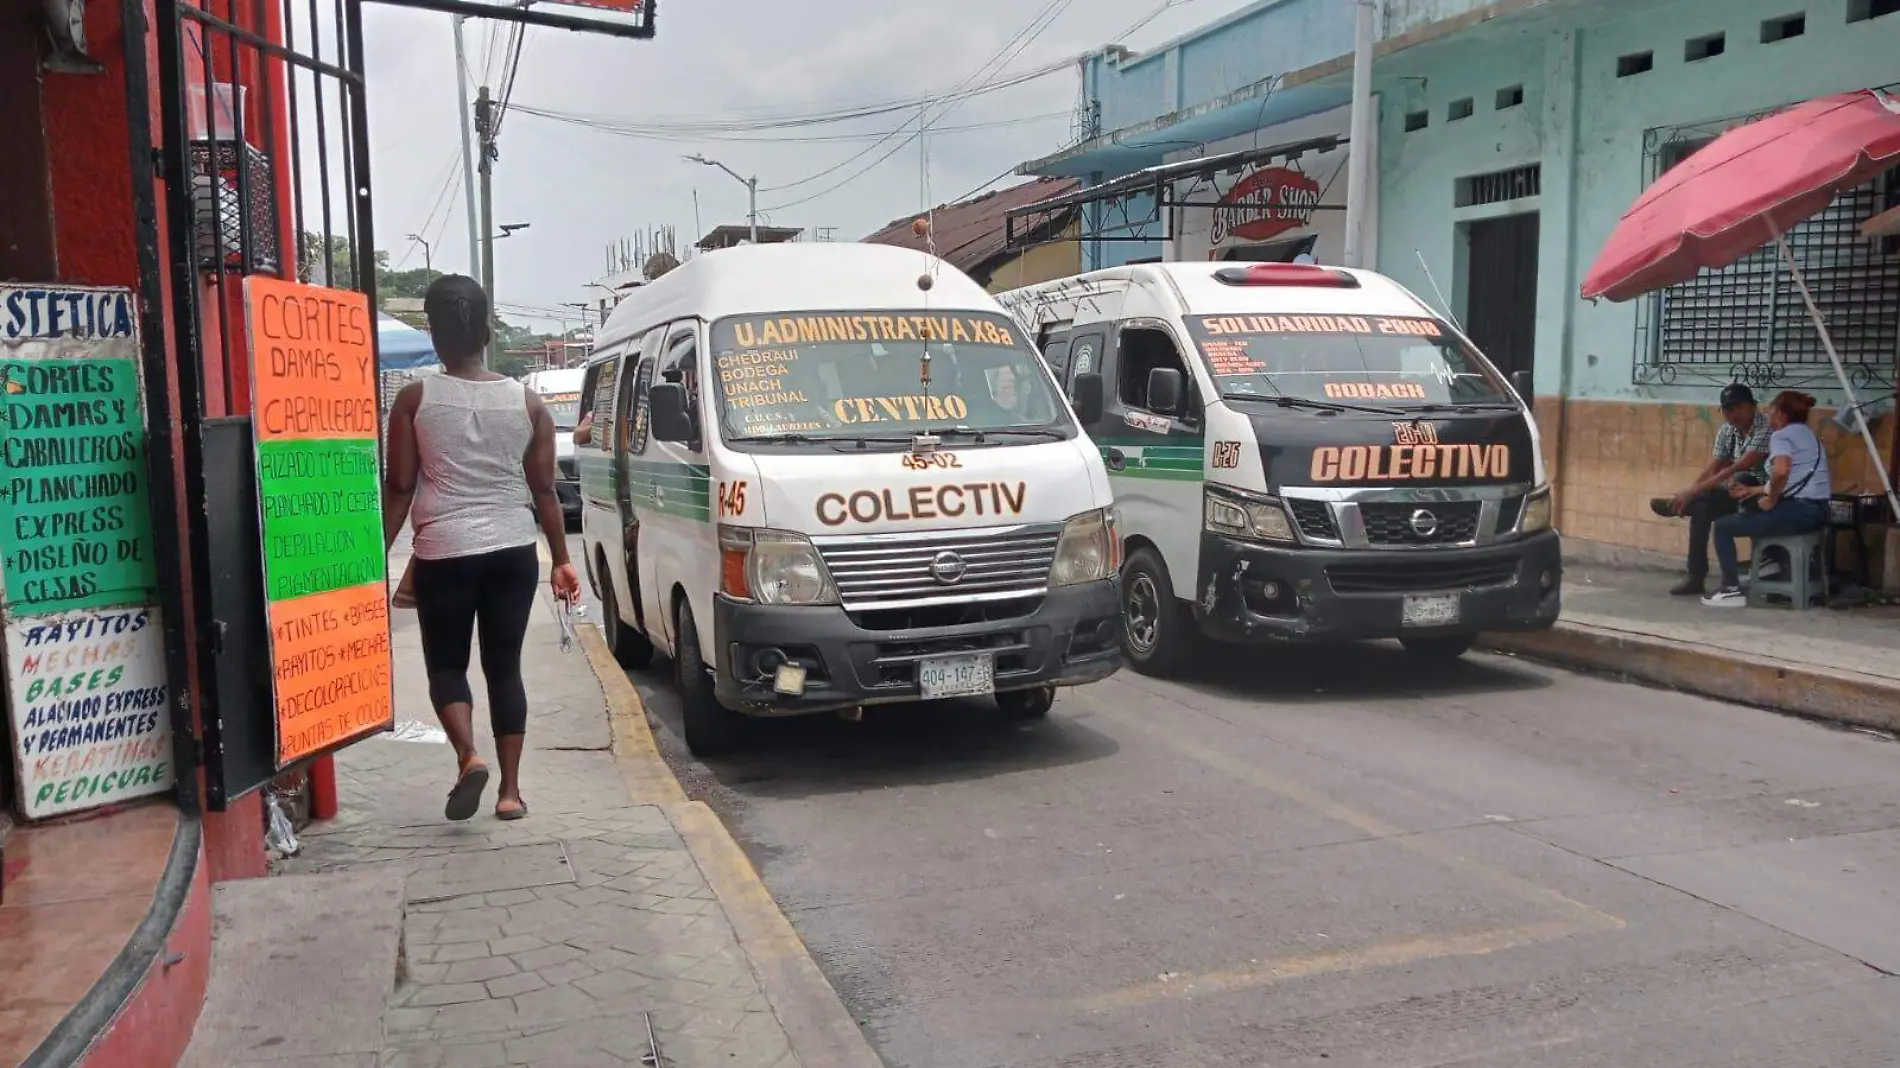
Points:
(471, 466)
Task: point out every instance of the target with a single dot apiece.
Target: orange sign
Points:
(319, 489)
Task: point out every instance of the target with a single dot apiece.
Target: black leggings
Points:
(453, 596)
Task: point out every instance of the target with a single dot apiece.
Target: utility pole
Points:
(751, 189)
(485, 132)
(428, 254)
(1360, 140)
(468, 152)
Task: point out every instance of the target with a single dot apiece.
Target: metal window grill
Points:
(1498, 187)
(1747, 323)
(219, 216)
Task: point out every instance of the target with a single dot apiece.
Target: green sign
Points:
(75, 520)
(323, 515)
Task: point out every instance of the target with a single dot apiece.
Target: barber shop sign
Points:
(1265, 204)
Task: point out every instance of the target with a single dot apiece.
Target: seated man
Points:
(1741, 456)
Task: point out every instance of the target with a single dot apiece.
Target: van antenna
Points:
(1442, 302)
(925, 442)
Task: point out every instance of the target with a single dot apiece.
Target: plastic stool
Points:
(1805, 557)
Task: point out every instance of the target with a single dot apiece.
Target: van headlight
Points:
(776, 567)
(1259, 518)
(1536, 512)
(1088, 551)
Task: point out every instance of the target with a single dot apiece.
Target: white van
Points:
(560, 390)
(1359, 468)
(825, 476)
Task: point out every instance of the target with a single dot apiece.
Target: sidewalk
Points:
(1842, 666)
(398, 940)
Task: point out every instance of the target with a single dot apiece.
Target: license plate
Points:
(1430, 610)
(957, 676)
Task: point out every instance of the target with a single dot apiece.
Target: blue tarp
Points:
(402, 347)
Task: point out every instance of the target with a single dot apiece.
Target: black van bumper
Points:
(1073, 637)
(1250, 592)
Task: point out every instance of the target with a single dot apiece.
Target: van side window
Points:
(626, 402)
(681, 365)
(1055, 353)
(601, 396)
(638, 433)
(1145, 349)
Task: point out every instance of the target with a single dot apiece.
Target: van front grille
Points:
(897, 570)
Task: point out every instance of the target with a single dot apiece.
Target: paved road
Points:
(1343, 859)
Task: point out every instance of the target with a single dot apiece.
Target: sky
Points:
(580, 188)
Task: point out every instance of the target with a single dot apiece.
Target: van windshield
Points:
(858, 374)
(564, 408)
(1390, 362)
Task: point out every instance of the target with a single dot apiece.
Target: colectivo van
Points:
(825, 476)
(560, 390)
(1358, 468)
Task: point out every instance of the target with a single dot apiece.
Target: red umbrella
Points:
(1744, 189)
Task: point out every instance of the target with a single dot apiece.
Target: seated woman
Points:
(1793, 502)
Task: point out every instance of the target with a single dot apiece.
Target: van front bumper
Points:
(1071, 638)
(1252, 593)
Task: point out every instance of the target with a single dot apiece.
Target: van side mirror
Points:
(666, 406)
(1522, 382)
(1085, 393)
(1164, 391)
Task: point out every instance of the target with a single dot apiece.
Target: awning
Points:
(1885, 224)
(1027, 225)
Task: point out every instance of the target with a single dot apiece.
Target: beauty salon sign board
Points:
(315, 419)
(88, 701)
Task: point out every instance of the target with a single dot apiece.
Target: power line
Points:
(706, 126)
(1023, 39)
(800, 139)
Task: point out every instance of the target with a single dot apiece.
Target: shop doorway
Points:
(1501, 289)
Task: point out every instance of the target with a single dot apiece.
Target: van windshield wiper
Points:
(1050, 433)
(1470, 406)
(1286, 401)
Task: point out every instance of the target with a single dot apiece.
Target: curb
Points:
(1833, 695)
(820, 1030)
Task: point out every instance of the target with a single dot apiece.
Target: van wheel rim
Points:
(1144, 614)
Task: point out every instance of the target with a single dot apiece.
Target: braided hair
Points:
(457, 308)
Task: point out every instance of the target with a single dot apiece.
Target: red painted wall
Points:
(156, 1023)
(88, 152)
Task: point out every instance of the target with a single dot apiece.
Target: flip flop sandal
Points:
(466, 797)
(513, 814)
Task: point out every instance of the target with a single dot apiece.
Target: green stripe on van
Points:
(1175, 463)
(664, 486)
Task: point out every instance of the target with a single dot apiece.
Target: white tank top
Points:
(471, 493)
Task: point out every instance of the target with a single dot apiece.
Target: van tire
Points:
(1157, 630)
(631, 648)
(1439, 646)
(1026, 705)
(711, 728)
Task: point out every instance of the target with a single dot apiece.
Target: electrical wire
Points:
(802, 139)
(707, 126)
(1009, 52)
(453, 173)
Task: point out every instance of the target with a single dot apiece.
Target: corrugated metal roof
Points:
(970, 233)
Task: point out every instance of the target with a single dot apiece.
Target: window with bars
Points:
(1747, 322)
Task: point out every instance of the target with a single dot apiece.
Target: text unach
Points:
(923, 502)
(1398, 463)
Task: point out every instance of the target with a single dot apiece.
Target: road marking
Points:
(1574, 917)
(1333, 961)
(1586, 916)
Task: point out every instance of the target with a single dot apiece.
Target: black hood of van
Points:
(1353, 450)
